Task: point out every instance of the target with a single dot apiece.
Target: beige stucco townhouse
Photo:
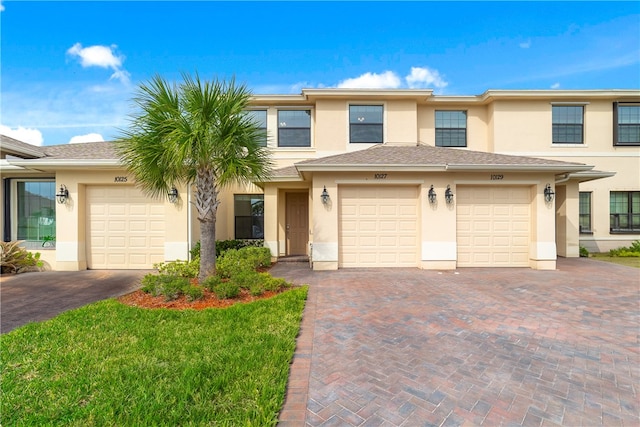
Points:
(364, 178)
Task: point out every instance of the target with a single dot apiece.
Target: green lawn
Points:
(111, 364)
(628, 261)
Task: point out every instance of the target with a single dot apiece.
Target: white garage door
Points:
(378, 226)
(125, 229)
(493, 226)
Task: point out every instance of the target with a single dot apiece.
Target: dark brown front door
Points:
(297, 223)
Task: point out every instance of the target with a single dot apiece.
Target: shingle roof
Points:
(287, 172)
(86, 150)
(426, 155)
(19, 148)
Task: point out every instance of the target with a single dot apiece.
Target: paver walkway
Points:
(408, 347)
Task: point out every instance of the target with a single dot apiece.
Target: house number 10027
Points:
(379, 176)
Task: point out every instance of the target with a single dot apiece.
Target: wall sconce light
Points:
(63, 194)
(432, 195)
(448, 195)
(548, 193)
(173, 195)
(324, 196)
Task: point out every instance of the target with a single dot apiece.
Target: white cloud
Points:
(90, 137)
(525, 45)
(101, 56)
(1, 7)
(555, 85)
(422, 77)
(30, 136)
(386, 80)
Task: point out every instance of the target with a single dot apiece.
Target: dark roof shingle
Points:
(427, 155)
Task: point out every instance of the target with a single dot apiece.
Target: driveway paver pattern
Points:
(494, 347)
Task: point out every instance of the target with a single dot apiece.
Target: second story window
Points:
(260, 118)
(294, 128)
(567, 124)
(451, 128)
(626, 124)
(365, 123)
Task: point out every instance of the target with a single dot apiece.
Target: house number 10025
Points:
(379, 176)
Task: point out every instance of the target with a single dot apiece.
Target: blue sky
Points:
(70, 69)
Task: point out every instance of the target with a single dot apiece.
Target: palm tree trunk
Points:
(207, 250)
(207, 206)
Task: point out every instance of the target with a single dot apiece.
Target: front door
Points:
(297, 226)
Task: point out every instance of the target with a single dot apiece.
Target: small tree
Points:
(196, 133)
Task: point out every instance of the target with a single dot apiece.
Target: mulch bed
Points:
(210, 300)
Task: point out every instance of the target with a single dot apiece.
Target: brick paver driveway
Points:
(405, 347)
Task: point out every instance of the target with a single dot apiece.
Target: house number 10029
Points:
(379, 176)
(494, 177)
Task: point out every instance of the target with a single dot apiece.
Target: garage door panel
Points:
(137, 225)
(385, 221)
(115, 226)
(501, 211)
(480, 210)
(388, 226)
(493, 225)
(125, 229)
(520, 226)
(117, 210)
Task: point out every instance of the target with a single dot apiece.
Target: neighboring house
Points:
(368, 178)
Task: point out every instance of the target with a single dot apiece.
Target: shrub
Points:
(246, 279)
(232, 263)
(195, 252)
(261, 257)
(16, 259)
(632, 251)
(271, 283)
(224, 245)
(187, 269)
(163, 284)
(584, 252)
(224, 290)
(211, 282)
(256, 289)
(151, 284)
(172, 289)
(193, 292)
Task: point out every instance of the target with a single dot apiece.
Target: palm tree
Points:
(196, 133)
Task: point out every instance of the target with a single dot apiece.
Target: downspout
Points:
(189, 230)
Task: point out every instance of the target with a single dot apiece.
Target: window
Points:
(35, 212)
(249, 216)
(260, 118)
(294, 128)
(365, 123)
(567, 124)
(624, 211)
(626, 124)
(585, 212)
(451, 128)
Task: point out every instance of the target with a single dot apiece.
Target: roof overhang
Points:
(20, 150)
(65, 164)
(442, 168)
(584, 176)
(521, 168)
